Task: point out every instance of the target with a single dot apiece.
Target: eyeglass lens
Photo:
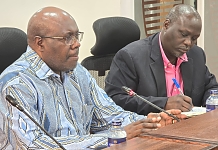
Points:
(71, 39)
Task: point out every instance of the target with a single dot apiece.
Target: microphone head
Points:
(128, 91)
(14, 102)
(11, 100)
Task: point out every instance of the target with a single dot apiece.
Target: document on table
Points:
(195, 111)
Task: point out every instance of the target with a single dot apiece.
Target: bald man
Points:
(59, 93)
(148, 66)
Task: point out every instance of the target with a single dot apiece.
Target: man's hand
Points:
(184, 103)
(142, 126)
(152, 122)
(166, 119)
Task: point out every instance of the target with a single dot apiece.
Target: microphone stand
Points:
(132, 93)
(15, 103)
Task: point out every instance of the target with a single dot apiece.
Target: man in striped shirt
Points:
(59, 93)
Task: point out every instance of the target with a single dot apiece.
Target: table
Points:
(199, 132)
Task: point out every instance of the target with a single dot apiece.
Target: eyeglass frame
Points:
(73, 38)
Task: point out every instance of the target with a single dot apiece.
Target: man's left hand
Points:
(166, 119)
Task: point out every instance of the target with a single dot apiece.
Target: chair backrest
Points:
(13, 43)
(112, 33)
(154, 13)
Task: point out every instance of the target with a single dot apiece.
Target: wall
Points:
(139, 17)
(211, 34)
(16, 13)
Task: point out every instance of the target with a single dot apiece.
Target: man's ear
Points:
(166, 24)
(38, 42)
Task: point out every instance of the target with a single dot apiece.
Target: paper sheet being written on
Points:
(195, 111)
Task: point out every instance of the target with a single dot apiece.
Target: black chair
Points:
(112, 33)
(13, 43)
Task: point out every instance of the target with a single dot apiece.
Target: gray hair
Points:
(182, 10)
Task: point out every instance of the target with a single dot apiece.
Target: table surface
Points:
(203, 127)
(199, 132)
(150, 143)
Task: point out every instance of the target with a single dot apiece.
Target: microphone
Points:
(15, 103)
(132, 93)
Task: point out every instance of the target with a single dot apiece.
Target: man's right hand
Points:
(184, 103)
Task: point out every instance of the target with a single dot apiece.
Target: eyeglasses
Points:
(70, 39)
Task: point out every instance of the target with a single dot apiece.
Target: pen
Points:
(177, 86)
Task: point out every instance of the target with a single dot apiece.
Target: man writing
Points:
(59, 93)
(148, 66)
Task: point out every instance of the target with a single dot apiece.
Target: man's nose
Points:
(188, 41)
(75, 44)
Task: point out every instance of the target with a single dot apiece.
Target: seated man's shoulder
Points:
(11, 73)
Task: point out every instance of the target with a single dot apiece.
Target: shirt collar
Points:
(38, 66)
